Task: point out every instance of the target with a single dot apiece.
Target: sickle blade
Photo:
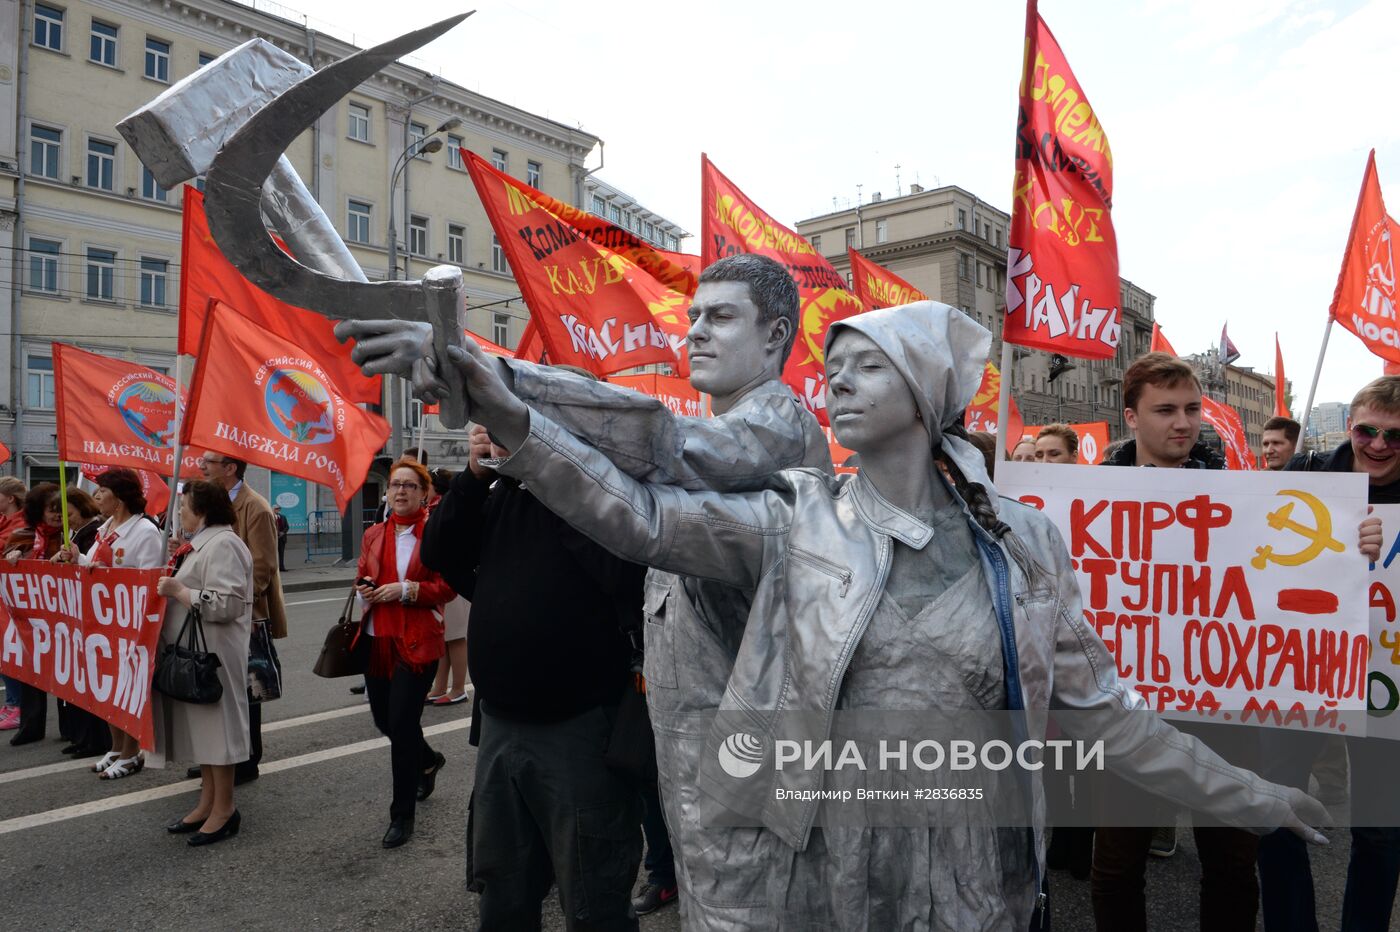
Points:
(234, 190)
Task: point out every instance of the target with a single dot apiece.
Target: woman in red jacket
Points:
(403, 628)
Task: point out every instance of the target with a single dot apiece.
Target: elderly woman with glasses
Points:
(402, 640)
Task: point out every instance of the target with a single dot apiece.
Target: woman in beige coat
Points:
(217, 575)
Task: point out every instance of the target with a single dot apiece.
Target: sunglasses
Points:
(1366, 433)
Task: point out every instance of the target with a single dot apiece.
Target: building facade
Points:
(951, 245)
(1330, 417)
(620, 208)
(1249, 392)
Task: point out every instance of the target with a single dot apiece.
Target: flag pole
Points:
(1312, 389)
(63, 500)
(1003, 404)
(422, 428)
(170, 524)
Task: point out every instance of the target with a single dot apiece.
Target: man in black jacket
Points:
(1372, 875)
(550, 662)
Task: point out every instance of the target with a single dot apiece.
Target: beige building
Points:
(1248, 392)
(951, 245)
(95, 243)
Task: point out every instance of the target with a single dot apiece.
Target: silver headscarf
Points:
(942, 353)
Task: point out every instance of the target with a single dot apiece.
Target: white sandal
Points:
(105, 761)
(124, 767)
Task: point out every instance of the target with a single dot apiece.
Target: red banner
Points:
(1062, 288)
(877, 287)
(1227, 423)
(1280, 405)
(4, 453)
(268, 402)
(114, 412)
(603, 299)
(1159, 342)
(673, 392)
(1093, 440)
(89, 636)
(153, 487)
(731, 224)
(982, 413)
(205, 276)
(1365, 301)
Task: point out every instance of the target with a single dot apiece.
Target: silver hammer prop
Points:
(233, 193)
(178, 134)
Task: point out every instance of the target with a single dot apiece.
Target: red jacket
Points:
(421, 641)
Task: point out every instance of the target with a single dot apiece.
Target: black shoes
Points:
(227, 830)
(428, 781)
(242, 774)
(400, 831)
(652, 897)
(26, 737)
(358, 690)
(181, 827)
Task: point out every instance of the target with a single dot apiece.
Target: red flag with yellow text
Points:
(1365, 300)
(1227, 424)
(732, 224)
(603, 299)
(1062, 287)
(269, 402)
(982, 413)
(114, 412)
(205, 275)
(877, 287)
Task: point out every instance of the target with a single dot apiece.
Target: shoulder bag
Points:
(338, 656)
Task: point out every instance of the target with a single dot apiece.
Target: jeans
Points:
(12, 690)
(396, 703)
(1285, 871)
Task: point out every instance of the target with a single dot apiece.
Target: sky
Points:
(1240, 129)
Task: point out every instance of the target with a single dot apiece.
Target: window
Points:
(532, 174)
(150, 190)
(205, 58)
(500, 329)
(102, 45)
(673, 243)
(962, 219)
(417, 235)
(615, 214)
(456, 242)
(101, 274)
(43, 150)
(357, 222)
(998, 236)
(417, 133)
(43, 264)
(648, 230)
(817, 242)
(500, 159)
(963, 271)
(154, 274)
(600, 206)
(101, 164)
(850, 237)
(38, 377)
(498, 256)
(359, 122)
(454, 153)
(158, 60)
(882, 231)
(48, 27)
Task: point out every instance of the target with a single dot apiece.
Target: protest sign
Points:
(1383, 693)
(89, 636)
(1238, 596)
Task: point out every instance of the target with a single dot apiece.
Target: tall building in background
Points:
(1329, 417)
(951, 244)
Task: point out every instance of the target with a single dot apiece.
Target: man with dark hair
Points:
(257, 528)
(1278, 441)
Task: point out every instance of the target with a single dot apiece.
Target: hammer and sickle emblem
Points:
(1319, 537)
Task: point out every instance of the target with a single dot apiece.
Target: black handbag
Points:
(187, 669)
(338, 655)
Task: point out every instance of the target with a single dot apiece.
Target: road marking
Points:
(339, 598)
(96, 806)
(15, 776)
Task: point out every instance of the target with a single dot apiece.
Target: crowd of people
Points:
(634, 575)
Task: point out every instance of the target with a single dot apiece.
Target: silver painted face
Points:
(870, 405)
(726, 342)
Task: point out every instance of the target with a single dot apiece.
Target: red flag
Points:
(1227, 423)
(673, 392)
(732, 224)
(1093, 440)
(1390, 368)
(1280, 406)
(1159, 342)
(531, 347)
(268, 402)
(4, 453)
(1228, 352)
(1365, 300)
(877, 287)
(155, 489)
(114, 412)
(603, 299)
(205, 276)
(982, 413)
(1062, 287)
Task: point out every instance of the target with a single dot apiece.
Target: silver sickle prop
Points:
(233, 193)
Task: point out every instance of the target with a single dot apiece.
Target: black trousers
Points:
(396, 702)
(33, 712)
(546, 809)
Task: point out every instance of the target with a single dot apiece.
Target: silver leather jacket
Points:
(816, 551)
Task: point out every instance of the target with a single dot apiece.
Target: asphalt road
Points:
(79, 853)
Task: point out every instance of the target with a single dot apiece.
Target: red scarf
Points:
(390, 617)
(178, 557)
(44, 535)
